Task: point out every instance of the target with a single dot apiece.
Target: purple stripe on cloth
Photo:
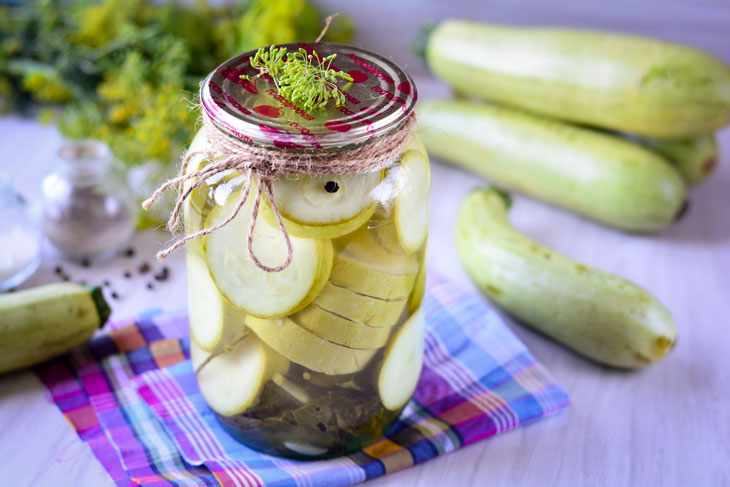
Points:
(60, 381)
(91, 387)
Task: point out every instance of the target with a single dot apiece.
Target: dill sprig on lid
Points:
(303, 78)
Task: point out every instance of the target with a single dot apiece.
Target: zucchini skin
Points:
(597, 314)
(44, 322)
(597, 175)
(695, 158)
(620, 82)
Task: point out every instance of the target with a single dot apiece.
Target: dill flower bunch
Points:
(306, 79)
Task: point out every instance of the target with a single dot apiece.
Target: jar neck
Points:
(84, 162)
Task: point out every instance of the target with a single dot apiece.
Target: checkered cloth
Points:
(132, 396)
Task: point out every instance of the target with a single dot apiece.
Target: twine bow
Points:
(265, 165)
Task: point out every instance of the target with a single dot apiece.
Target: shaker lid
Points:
(380, 98)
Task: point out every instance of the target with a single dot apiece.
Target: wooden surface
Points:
(667, 425)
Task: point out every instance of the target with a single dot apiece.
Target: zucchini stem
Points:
(102, 307)
(419, 43)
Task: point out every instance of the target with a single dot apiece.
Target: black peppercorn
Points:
(163, 274)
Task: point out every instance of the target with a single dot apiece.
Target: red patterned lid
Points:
(381, 97)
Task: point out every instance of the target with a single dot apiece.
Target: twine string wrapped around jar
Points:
(265, 165)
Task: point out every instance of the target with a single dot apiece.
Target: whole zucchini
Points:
(597, 314)
(695, 158)
(595, 174)
(621, 82)
(47, 321)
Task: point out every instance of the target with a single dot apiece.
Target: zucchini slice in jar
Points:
(359, 308)
(402, 364)
(340, 330)
(411, 206)
(332, 205)
(210, 314)
(387, 237)
(419, 289)
(194, 206)
(333, 230)
(231, 381)
(357, 276)
(365, 248)
(255, 291)
(307, 349)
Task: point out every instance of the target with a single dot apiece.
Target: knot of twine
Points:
(265, 165)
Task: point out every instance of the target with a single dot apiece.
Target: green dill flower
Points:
(305, 79)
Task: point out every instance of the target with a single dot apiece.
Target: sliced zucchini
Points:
(210, 313)
(363, 246)
(359, 308)
(255, 291)
(194, 206)
(387, 236)
(414, 301)
(294, 390)
(305, 348)
(411, 206)
(336, 329)
(200, 201)
(332, 230)
(325, 200)
(231, 381)
(402, 364)
(355, 275)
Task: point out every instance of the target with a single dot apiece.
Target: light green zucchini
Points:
(47, 321)
(601, 176)
(620, 82)
(695, 158)
(597, 314)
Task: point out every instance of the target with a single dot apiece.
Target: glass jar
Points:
(319, 359)
(19, 240)
(87, 210)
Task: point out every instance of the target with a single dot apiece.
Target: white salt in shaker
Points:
(87, 210)
(19, 238)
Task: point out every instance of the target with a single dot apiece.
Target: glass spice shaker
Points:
(19, 239)
(87, 211)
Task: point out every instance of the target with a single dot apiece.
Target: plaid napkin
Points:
(132, 396)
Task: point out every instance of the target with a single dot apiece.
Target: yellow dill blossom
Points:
(45, 88)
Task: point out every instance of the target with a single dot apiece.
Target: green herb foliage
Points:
(122, 70)
(305, 79)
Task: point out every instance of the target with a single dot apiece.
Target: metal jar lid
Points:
(380, 98)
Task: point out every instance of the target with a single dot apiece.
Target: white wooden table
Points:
(667, 425)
